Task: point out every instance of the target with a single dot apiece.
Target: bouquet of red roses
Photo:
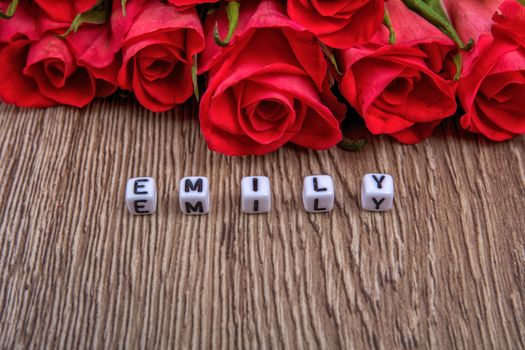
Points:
(269, 72)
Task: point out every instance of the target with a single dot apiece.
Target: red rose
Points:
(492, 90)
(267, 87)
(65, 10)
(403, 90)
(42, 72)
(340, 23)
(158, 55)
(97, 47)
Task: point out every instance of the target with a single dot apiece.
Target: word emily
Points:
(377, 194)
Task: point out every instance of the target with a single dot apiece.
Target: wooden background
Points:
(445, 268)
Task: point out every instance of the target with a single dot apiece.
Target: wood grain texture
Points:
(444, 269)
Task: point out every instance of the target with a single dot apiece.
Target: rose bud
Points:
(404, 89)
(268, 87)
(158, 55)
(492, 88)
(340, 23)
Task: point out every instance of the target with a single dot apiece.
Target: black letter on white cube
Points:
(256, 195)
(197, 208)
(316, 185)
(139, 185)
(379, 180)
(141, 196)
(377, 192)
(190, 186)
(318, 193)
(194, 195)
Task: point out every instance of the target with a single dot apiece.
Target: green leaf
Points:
(388, 23)
(522, 2)
(433, 11)
(437, 7)
(232, 11)
(353, 145)
(194, 78)
(96, 15)
(331, 57)
(10, 11)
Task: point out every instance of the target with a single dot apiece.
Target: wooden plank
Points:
(444, 269)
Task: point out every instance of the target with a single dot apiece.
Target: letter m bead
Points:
(194, 195)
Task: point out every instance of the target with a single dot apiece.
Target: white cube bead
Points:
(377, 192)
(318, 193)
(256, 195)
(194, 195)
(141, 195)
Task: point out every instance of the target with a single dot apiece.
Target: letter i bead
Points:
(256, 196)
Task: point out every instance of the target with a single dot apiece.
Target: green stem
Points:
(437, 16)
(388, 23)
(232, 11)
(331, 57)
(194, 78)
(10, 11)
(96, 15)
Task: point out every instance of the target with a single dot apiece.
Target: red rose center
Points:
(54, 71)
(156, 68)
(397, 91)
(270, 110)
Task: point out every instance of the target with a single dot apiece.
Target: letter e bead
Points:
(141, 195)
